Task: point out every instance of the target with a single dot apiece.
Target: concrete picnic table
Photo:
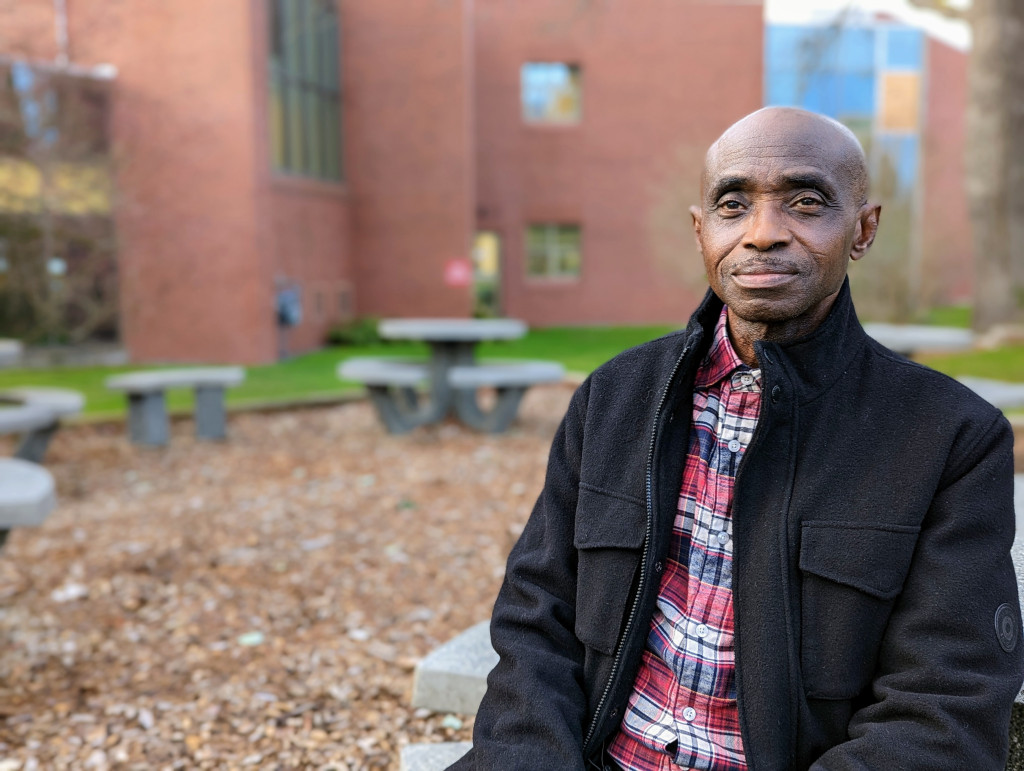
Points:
(451, 374)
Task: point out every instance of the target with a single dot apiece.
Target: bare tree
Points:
(995, 154)
(57, 264)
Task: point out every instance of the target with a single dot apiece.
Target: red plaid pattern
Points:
(682, 711)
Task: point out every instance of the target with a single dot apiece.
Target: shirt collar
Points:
(722, 359)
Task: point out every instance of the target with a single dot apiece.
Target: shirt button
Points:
(746, 378)
(723, 538)
(702, 631)
(689, 714)
(734, 445)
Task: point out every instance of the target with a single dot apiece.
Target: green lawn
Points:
(312, 375)
(948, 316)
(999, 364)
(580, 349)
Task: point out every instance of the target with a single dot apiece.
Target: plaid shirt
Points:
(682, 711)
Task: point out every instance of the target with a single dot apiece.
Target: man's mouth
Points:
(762, 276)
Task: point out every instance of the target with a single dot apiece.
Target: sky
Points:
(799, 11)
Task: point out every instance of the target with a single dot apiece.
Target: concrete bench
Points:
(58, 402)
(147, 404)
(510, 379)
(432, 757)
(392, 384)
(384, 372)
(453, 678)
(27, 495)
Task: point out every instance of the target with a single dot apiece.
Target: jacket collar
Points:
(813, 362)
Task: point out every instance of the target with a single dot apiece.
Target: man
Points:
(765, 541)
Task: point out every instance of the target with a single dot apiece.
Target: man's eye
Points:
(808, 200)
(731, 205)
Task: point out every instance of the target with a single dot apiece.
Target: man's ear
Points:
(698, 215)
(867, 229)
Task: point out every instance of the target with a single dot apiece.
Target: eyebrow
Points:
(727, 185)
(810, 180)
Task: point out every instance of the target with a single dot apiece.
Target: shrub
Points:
(357, 332)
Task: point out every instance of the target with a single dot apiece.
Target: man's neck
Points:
(743, 333)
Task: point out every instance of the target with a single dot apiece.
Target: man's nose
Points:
(766, 228)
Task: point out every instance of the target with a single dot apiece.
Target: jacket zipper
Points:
(641, 586)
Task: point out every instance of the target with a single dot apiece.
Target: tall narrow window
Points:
(551, 92)
(553, 251)
(305, 88)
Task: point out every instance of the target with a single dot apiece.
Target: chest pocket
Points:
(608, 537)
(851, 575)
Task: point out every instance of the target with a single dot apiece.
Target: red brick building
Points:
(353, 149)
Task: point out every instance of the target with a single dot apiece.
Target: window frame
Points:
(304, 90)
(554, 234)
(575, 71)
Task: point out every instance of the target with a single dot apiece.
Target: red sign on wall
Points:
(458, 272)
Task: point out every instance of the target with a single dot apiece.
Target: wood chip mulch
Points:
(256, 603)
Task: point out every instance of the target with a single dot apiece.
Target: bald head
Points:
(791, 131)
(784, 211)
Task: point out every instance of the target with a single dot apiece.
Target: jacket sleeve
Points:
(946, 680)
(532, 714)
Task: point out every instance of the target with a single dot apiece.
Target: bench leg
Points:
(211, 418)
(147, 419)
(501, 415)
(401, 409)
(395, 414)
(34, 444)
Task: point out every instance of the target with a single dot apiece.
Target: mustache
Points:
(764, 265)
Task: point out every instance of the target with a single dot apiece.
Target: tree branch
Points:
(941, 7)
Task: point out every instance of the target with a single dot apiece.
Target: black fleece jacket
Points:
(872, 524)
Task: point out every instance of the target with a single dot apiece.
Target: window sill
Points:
(296, 184)
(552, 282)
(541, 126)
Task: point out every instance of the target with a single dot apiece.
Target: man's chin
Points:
(763, 310)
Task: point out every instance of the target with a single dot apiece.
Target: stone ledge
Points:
(432, 757)
(453, 678)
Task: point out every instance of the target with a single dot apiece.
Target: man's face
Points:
(780, 218)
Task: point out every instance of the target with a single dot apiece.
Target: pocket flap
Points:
(608, 522)
(873, 559)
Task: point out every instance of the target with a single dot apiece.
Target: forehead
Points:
(773, 159)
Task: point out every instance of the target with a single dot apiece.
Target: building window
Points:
(551, 93)
(553, 251)
(305, 90)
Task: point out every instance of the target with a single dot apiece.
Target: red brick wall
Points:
(409, 148)
(661, 80)
(27, 29)
(195, 269)
(946, 230)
